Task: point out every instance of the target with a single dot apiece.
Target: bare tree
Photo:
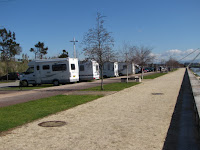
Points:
(142, 56)
(99, 43)
(126, 56)
(172, 63)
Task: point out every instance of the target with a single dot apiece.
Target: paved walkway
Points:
(136, 118)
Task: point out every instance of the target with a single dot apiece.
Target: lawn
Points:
(19, 114)
(113, 86)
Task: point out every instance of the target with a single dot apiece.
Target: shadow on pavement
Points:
(182, 133)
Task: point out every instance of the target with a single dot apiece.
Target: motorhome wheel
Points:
(55, 82)
(24, 83)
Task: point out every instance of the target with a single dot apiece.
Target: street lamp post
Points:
(74, 41)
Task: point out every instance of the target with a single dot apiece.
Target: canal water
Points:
(196, 70)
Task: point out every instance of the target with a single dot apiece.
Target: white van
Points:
(123, 70)
(88, 70)
(110, 69)
(51, 71)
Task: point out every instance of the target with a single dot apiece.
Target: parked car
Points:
(144, 70)
(11, 76)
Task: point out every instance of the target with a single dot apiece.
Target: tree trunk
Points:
(7, 69)
(102, 78)
(126, 72)
(142, 72)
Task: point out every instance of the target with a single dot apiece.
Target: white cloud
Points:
(155, 55)
(177, 54)
(172, 52)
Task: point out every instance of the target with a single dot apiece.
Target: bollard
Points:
(138, 80)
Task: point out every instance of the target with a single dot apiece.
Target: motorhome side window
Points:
(108, 66)
(81, 67)
(38, 67)
(45, 67)
(124, 66)
(59, 67)
(30, 70)
(72, 66)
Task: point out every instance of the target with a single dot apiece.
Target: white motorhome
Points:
(123, 68)
(88, 70)
(56, 71)
(110, 69)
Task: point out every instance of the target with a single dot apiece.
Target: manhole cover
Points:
(52, 124)
(157, 93)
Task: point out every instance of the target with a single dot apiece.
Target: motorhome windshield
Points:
(30, 70)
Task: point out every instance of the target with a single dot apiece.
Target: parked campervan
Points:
(137, 68)
(51, 71)
(88, 70)
(110, 69)
(123, 68)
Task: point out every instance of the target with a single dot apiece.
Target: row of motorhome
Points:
(66, 70)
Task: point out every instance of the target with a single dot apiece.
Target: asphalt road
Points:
(14, 97)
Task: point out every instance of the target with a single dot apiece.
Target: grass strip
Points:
(174, 70)
(153, 76)
(113, 86)
(19, 114)
(156, 75)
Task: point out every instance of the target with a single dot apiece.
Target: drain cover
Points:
(157, 93)
(52, 124)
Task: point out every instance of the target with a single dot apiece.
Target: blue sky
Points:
(171, 27)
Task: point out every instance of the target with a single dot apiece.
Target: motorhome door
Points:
(45, 73)
(30, 75)
(38, 74)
